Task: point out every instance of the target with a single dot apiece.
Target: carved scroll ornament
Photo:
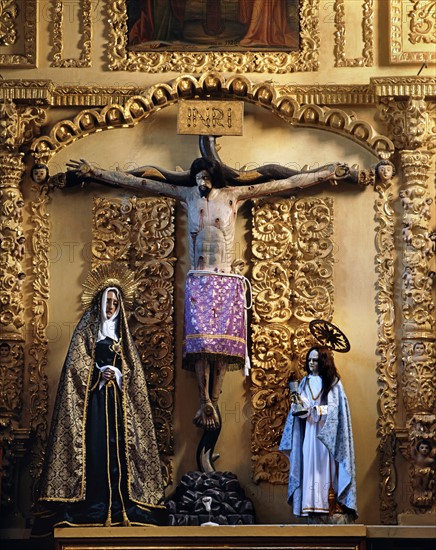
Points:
(9, 33)
(386, 347)
(58, 36)
(140, 232)
(292, 284)
(367, 58)
(8, 15)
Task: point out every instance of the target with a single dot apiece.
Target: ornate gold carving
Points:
(120, 58)
(205, 117)
(12, 247)
(419, 24)
(38, 349)
(11, 379)
(417, 377)
(404, 86)
(292, 284)
(8, 14)
(37, 91)
(422, 22)
(159, 96)
(58, 39)
(140, 233)
(336, 120)
(28, 57)
(418, 305)
(409, 122)
(18, 125)
(422, 462)
(386, 348)
(367, 58)
(418, 346)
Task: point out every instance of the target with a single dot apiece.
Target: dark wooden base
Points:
(292, 537)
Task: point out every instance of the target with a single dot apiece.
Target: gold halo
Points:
(113, 274)
(328, 335)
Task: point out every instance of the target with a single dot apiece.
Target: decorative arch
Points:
(267, 95)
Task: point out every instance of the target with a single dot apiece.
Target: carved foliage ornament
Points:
(58, 35)
(11, 247)
(9, 10)
(139, 233)
(412, 31)
(38, 350)
(418, 277)
(422, 22)
(18, 125)
(292, 285)
(410, 123)
(386, 347)
(8, 14)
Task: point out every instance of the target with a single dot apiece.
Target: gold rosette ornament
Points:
(105, 275)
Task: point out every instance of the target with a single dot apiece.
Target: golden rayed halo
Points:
(328, 335)
(113, 274)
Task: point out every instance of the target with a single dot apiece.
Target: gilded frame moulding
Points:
(367, 58)
(417, 44)
(58, 36)
(306, 59)
(8, 29)
(28, 57)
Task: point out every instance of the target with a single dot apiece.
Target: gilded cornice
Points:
(47, 92)
(40, 91)
(402, 86)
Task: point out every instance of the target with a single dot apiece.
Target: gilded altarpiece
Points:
(140, 234)
(311, 106)
(292, 285)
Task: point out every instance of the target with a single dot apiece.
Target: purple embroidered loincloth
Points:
(214, 319)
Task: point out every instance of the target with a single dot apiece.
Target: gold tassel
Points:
(126, 521)
(332, 501)
(108, 521)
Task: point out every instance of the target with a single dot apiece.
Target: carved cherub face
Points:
(423, 448)
(4, 350)
(39, 174)
(419, 348)
(385, 172)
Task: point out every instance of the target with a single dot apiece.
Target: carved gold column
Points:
(16, 126)
(11, 315)
(418, 340)
(411, 127)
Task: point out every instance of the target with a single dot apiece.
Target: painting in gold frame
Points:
(198, 41)
(413, 31)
